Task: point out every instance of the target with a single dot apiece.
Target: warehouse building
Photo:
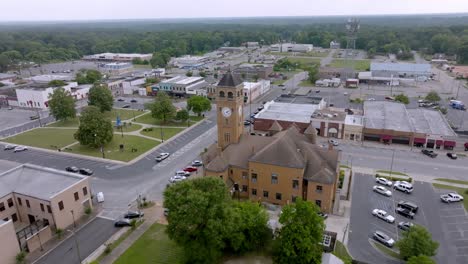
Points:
(291, 47)
(116, 68)
(250, 71)
(189, 62)
(181, 85)
(418, 71)
(123, 57)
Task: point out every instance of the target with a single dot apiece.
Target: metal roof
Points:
(386, 115)
(430, 122)
(401, 67)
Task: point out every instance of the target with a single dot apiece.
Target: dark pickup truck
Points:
(429, 153)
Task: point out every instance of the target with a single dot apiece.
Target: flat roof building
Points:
(128, 57)
(189, 62)
(116, 68)
(181, 85)
(291, 47)
(400, 70)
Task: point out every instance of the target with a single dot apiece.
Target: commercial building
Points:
(334, 44)
(254, 71)
(391, 122)
(181, 85)
(116, 68)
(252, 45)
(115, 85)
(125, 57)
(291, 47)
(329, 123)
(37, 95)
(460, 71)
(189, 62)
(353, 127)
(418, 71)
(253, 90)
(131, 85)
(7, 78)
(274, 169)
(46, 78)
(36, 200)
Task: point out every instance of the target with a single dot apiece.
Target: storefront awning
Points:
(466, 145)
(420, 140)
(439, 142)
(449, 143)
(332, 130)
(386, 137)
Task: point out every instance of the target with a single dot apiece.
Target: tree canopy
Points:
(433, 96)
(95, 129)
(299, 238)
(62, 104)
(198, 104)
(402, 98)
(101, 97)
(57, 83)
(417, 241)
(182, 115)
(88, 76)
(162, 107)
(421, 259)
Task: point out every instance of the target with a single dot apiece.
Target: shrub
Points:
(21, 257)
(393, 178)
(108, 249)
(133, 224)
(88, 210)
(59, 233)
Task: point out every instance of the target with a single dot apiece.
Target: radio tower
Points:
(352, 28)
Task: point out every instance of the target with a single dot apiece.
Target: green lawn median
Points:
(452, 181)
(359, 65)
(48, 138)
(155, 132)
(74, 122)
(148, 119)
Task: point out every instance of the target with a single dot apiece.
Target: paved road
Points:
(89, 238)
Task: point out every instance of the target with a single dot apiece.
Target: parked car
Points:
(333, 142)
(383, 181)
(121, 100)
(383, 238)
(452, 155)
(324, 216)
(162, 156)
(9, 147)
(182, 173)
(260, 108)
(403, 186)
(20, 149)
(247, 123)
(408, 205)
(85, 171)
(126, 106)
(389, 98)
(176, 178)
(191, 169)
(404, 212)
(382, 190)
(133, 101)
(72, 169)
(405, 225)
(34, 117)
(383, 215)
(166, 212)
(133, 214)
(371, 99)
(429, 153)
(122, 223)
(451, 197)
(100, 197)
(197, 163)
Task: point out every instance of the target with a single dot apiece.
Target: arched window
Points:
(221, 94)
(230, 95)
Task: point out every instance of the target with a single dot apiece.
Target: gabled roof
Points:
(310, 130)
(230, 80)
(276, 127)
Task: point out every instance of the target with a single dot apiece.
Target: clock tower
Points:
(230, 115)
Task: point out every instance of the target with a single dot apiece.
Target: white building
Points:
(291, 47)
(189, 62)
(46, 78)
(128, 57)
(159, 72)
(181, 85)
(253, 90)
(334, 44)
(38, 96)
(252, 45)
(131, 86)
(116, 68)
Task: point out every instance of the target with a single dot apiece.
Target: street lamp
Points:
(76, 244)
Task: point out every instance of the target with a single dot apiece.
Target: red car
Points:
(191, 169)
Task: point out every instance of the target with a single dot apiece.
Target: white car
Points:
(403, 186)
(451, 197)
(371, 99)
(182, 173)
(383, 215)
(162, 156)
(383, 181)
(382, 190)
(100, 197)
(333, 142)
(197, 163)
(20, 148)
(8, 147)
(177, 178)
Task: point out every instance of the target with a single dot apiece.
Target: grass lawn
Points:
(152, 247)
(393, 172)
(112, 150)
(305, 61)
(359, 65)
(68, 123)
(299, 54)
(128, 128)
(462, 191)
(123, 113)
(387, 251)
(278, 82)
(148, 119)
(345, 166)
(306, 83)
(452, 181)
(44, 138)
(341, 252)
(168, 132)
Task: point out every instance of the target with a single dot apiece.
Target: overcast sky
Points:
(30, 10)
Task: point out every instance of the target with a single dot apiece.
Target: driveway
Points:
(89, 238)
(447, 223)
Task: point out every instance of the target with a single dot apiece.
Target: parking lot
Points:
(447, 223)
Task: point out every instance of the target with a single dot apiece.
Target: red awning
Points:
(439, 142)
(420, 140)
(466, 145)
(449, 143)
(386, 137)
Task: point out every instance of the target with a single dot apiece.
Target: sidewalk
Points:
(152, 215)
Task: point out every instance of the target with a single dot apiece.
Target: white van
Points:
(100, 197)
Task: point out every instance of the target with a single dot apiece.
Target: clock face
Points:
(226, 112)
(240, 110)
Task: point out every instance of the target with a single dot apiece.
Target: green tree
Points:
(150, 81)
(433, 96)
(198, 104)
(88, 77)
(202, 74)
(417, 241)
(189, 74)
(313, 74)
(62, 104)
(162, 107)
(95, 129)
(299, 239)
(421, 259)
(4, 63)
(402, 98)
(462, 53)
(197, 217)
(57, 83)
(101, 97)
(182, 115)
(248, 227)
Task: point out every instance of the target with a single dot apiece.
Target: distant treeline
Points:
(48, 42)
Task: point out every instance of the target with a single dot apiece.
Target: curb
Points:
(100, 250)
